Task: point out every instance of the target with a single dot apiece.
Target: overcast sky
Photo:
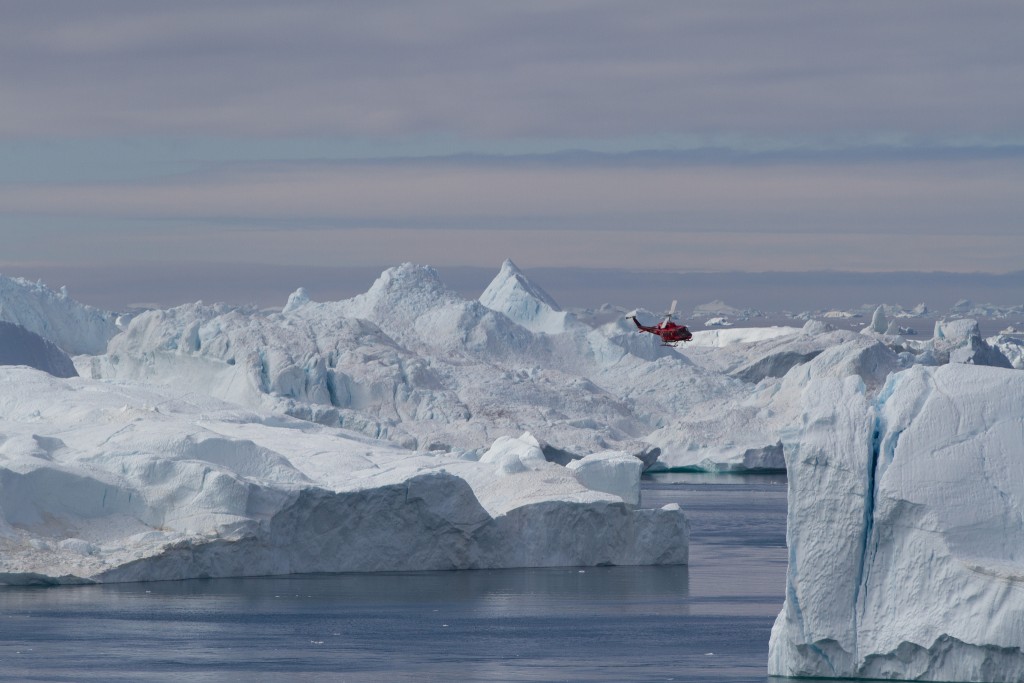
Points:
(751, 136)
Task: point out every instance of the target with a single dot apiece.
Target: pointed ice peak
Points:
(511, 293)
(296, 299)
(510, 272)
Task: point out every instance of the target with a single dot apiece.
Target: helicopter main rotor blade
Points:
(668, 315)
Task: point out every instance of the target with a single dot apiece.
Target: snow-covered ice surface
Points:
(905, 531)
(740, 335)
(119, 482)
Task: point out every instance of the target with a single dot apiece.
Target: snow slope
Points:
(905, 534)
(18, 346)
(118, 482)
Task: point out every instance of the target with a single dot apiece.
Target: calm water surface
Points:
(709, 621)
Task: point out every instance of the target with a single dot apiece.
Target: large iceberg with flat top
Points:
(105, 482)
(905, 532)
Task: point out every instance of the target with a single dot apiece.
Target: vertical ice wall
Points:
(906, 530)
(828, 457)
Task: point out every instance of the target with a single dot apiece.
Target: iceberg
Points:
(317, 363)
(953, 341)
(412, 362)
(612, 472)
(1011, 345)
(720, 308)
(522, 301)
(106, 482)
(74, 327)
(739, 335)
(879, 323)
(408, 428)
(747, 432)
(775, 357)
(961, 342)
(511, 455)
(906, 542)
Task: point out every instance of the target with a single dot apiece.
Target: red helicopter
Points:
(670, 333)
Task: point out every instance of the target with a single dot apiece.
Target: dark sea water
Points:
(709, 621)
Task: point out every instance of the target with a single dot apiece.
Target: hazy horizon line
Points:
(116, 287)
